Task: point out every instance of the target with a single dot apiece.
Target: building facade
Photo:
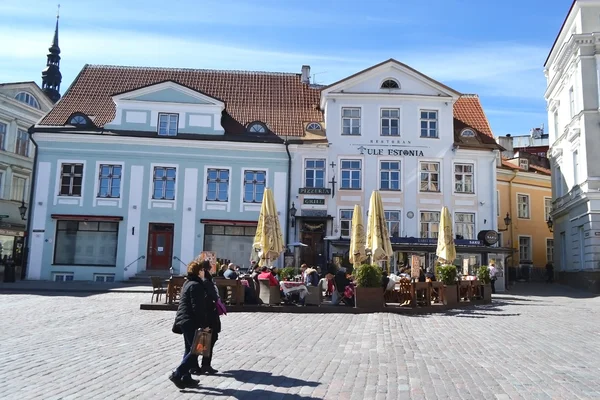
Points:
(163, 164)
(420, 143)
(572, 95)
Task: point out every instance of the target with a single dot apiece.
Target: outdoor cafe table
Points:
(289, 287)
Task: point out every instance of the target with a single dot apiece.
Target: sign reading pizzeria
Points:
(314, 191)
(390, 152)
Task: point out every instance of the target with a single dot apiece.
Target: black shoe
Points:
(177, 380)
(189, 382)
(207, 369)
(196, 371)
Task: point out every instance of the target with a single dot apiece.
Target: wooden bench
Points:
(230, 290)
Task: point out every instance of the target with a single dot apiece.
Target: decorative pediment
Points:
(574, 133)
(168, 92)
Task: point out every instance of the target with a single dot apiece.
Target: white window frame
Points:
(351, 211)
(28, 99)
(165, 169)
(158, 202)
(524, 164)
(306, 168)
(456, 223)
(55, 276)
(464, 174)
(381, 171)
(103, 278)
(429, 120)
(216, 205)
(108, 201)
(361, 161)
(526, 215)
(547, 207)
(389, 120)
(64, 199)
(572, 102)
(3, 135)
(169, 116)
(429, 224)
(389, 223)
(439, 174)
(257, 169)
(549, 254)
(19, 130)
(25, 186)
(352, 119)
(529, 251)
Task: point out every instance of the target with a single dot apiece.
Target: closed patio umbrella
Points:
(358, 253)
(378, 237)
(268, 239)
(445, 245)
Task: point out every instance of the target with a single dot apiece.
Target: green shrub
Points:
(287, 273)
(368, 275)
(446, 274)
(483, 274)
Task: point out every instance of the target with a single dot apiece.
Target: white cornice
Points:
(388, 95)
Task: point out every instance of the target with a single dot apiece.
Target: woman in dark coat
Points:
(196, 310)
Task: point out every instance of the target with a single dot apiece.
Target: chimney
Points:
(306, 74)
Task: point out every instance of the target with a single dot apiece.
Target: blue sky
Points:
(493, 48)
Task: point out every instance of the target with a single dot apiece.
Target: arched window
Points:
(314, 126)
(467, 133)
(390, 84)
(28, 99)
(257, 127)
(78, 120)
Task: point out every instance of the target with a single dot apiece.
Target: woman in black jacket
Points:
(196, 310)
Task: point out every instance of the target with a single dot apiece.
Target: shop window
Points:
(86, 243)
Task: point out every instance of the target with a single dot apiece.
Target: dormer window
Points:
(167, 124)
(28, 99)
(524, 164)
(257, 127)
(314, 126)
(467, 133)
(78, 120)
(390, 84)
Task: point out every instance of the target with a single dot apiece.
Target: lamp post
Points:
(507, 222)
(550, 224)
(23, 210)
(293, 215)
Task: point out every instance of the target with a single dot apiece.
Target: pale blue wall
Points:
(169, 95)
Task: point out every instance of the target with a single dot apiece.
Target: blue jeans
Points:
(189, 360)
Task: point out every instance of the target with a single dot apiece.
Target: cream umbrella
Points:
(268, 239)
(445, 245)
(358, 253)
(378, 237)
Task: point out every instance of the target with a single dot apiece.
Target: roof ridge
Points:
(230, 71)
(469, 95)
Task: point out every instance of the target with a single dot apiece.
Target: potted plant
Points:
(369, 291)
(287, 273)
(447, 275)
(483, 275)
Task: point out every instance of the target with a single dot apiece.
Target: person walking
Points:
(492, 268)
(549, 273)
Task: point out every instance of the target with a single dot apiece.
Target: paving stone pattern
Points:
(101, 346)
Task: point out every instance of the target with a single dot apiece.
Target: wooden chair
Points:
(405, 291)
(157, 288)
(174, 289)
(437, 292)
(268, 294)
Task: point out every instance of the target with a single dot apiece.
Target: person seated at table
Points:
(268, 275)
(230, 273)
(255, 271)
(222, 270)
(303, 269)
(343, 283)
(275, 273)
(311, 277)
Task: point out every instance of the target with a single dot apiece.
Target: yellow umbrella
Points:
(358, 254)
(378, 237)
(268, 239)
(445, 246)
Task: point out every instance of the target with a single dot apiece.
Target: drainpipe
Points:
(30, 209)
(289, 194)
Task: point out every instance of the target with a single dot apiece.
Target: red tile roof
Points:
(468, 110)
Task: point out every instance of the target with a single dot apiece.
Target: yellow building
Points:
(525, 197)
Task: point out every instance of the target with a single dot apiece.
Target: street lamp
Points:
(507, 222)
(550, 224)
(23, 210)
(293, 214)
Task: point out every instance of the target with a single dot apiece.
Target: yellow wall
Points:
(537, 186)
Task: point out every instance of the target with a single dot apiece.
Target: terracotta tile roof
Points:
(540, 169)
(468, 110)
(532, 167)
(280, 100)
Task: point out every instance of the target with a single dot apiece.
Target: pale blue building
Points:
(138, 168)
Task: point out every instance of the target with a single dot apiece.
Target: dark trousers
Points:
(190, 360)
(493, 284)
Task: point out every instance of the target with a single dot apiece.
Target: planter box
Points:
(451, 295)
(369, 297)
(487, 293)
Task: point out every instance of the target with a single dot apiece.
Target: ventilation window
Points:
(467, 133)
(257, 127)
(28, 99)
(314, 126)
(78, 120)
(390, 84)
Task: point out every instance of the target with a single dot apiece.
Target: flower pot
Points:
(369, 297)
(450, 295)
(487, 293)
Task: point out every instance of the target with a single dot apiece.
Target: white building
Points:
(419, 142)
(573, 71)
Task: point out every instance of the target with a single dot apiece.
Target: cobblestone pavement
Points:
(103, 347)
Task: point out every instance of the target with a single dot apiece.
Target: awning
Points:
(93, 218)
(228, 222)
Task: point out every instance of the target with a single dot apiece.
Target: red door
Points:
(160, 246)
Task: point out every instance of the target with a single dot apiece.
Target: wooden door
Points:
(313, 254)
(160, 246)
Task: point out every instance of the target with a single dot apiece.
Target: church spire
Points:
(51, 76)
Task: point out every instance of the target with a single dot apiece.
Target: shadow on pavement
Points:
(534, 289)
(247, 394)
(266, 378)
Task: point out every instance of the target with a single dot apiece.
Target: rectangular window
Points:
(463, 178)
(346, 222)
(217, 185)
(393, 222)
(547, 208)
(350, 121)
(314, 173)
(390, 122)
(575, 168)
(429, 124)
(18, 192)
(351, 174)
(63, 277)
(71, 179)
(430, 176)
(167, 124)
(164, 183)
(523, 206)
(106, 278)
(2, 136)
(550, 250)
(524, 164)
(430, 224)
(389, 175)
(571, 102)
(22, 147)
(86, 243)
(254, 186)
(109, 181)
(464, 225)
(524, 248)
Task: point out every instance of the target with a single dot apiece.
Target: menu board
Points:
(211, 256)
(415, 267)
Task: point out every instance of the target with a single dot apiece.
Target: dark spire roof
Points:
(51, 76)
